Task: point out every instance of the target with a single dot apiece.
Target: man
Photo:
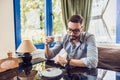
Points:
(80, 46)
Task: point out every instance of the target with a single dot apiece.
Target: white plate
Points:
(7, 64)
(51, 72)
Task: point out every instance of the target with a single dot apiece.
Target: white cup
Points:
(58, 38)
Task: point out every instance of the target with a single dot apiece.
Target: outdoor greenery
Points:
(39, 67)
(58, 27)
(33, 19)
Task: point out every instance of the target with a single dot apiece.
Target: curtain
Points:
(80, 7)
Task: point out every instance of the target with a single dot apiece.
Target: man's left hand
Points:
(60, 60)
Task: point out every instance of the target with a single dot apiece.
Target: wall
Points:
(6, 28)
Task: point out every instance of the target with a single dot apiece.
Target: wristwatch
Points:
(68, 61)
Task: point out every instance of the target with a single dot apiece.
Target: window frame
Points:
(118, 22)
(17, 22)
(117, 40)
(48, 21)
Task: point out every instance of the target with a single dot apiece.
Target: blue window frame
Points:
(118, 22)
(17, 21)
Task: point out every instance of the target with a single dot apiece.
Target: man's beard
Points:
(74, 38)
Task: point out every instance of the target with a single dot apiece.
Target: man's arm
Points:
(49, 40)
(48, 52)
(91, 59)
(72, 62)
(76, 62)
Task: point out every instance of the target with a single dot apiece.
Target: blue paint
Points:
(48, 17)
(118, 22)
(17, 23)
(117, 75)
(40, 46)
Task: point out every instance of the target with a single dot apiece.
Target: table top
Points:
(68, 73)
(71, 73)
(10, 68)
(8, 63)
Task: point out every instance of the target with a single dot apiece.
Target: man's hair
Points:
(76, 19)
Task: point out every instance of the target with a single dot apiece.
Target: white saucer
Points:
(51, 72)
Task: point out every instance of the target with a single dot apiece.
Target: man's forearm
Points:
(47, 51)
(78, 63)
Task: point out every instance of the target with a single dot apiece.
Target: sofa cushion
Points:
(109, 57)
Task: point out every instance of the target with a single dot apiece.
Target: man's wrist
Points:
(68, 61)
(46, 44)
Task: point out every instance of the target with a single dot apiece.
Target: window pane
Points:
(58, 27)
(103, 23)
(99, 31)
(32, 20)
(98, 7)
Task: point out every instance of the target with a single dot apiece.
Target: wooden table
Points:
(13, 70)
(8, 63)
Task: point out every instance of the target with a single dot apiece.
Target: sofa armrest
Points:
(109, 57)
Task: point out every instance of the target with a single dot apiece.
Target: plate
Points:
(7, 63)
(51, 72)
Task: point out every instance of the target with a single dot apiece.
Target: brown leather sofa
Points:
(109, 57)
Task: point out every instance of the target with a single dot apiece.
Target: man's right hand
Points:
(49, 39)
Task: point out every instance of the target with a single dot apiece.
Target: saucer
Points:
(51, 72)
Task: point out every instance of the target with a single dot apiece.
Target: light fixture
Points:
(26, 47)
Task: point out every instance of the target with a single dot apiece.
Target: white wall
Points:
(7, 41)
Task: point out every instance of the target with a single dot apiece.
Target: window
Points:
(47, 20)
(103, 22)
(34, 18)
(58, 26)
